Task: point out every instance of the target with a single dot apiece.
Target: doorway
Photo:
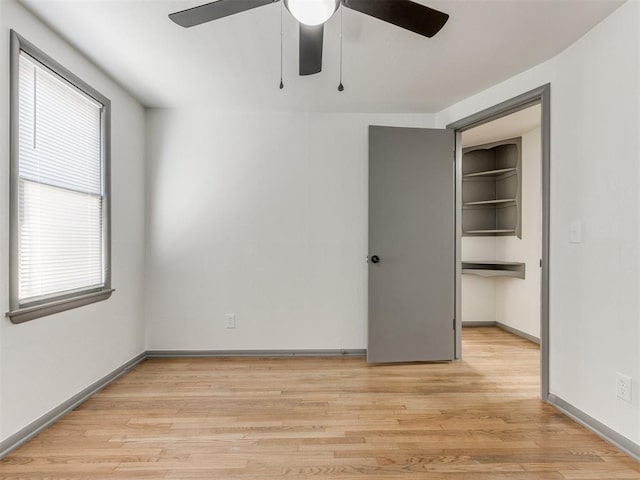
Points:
(502, 221)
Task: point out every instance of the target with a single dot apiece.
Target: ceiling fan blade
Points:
(311, 49)
(214, 10)
(402, 13)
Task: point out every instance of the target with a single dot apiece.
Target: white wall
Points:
(478, 295)
(518, 301)
(46, 361)
(595, 319)
(264, 216)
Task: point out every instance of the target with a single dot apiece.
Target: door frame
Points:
(541, 95)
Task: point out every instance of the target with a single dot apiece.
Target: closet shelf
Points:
(490, 173)
(489, 269)
(480, 232)
(492, 189)
(491, 202)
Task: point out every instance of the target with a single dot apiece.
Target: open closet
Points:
(502, 223)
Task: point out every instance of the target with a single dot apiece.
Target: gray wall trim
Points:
(545, 336)
(479, 324)
(519, 333)
(13, 170)
(22, 315)
(600, 429)
(540, 95)
(458, 246)
(500, 110)
(504, 327)
(35, 427)
(255, 353)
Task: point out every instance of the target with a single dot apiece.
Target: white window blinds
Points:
(60, 186)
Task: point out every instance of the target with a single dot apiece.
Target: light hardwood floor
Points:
(310, 418)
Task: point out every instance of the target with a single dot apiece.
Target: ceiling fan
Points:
(311, 14)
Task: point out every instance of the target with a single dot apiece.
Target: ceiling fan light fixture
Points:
(312, 12)
(311, 16)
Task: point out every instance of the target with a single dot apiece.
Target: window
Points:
(59, 187)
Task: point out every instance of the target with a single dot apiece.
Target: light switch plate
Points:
(575, 232)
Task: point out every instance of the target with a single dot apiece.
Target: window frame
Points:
(25, 311)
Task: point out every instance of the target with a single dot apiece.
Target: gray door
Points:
(412, 236)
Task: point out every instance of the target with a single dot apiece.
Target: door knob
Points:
(375, 259)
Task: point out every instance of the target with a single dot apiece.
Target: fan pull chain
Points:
(281, 83)
(341, 87)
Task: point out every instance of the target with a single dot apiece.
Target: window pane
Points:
(60, 240)
(60, 131)
(60, 211)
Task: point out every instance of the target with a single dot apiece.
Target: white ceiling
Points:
(234, 63)
(510, 126)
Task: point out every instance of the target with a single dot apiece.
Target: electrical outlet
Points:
(231, 320)
(623, 387)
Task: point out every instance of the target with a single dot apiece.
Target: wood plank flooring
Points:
(311, 418)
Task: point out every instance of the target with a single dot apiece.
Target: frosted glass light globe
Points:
(312, 12)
